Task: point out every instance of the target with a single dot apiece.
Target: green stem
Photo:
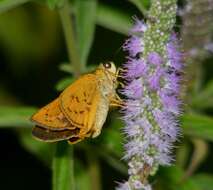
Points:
(63, 161)
(94, 170)
(69, 35)
(63, 167)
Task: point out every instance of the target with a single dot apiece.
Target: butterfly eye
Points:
(107, 65)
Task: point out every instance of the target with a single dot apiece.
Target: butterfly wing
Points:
(51, 117)
(79, 103)
(46, 135)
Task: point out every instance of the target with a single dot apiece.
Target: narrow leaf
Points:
(15, 116)
(199, 154)
(204, 99)
(113, 19)
(198, 125)
(6, 5)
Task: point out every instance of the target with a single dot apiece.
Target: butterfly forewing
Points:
(51, 117)
(79, 102)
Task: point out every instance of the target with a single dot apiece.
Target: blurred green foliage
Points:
(34, 63)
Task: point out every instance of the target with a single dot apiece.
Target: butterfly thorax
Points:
(106, 81)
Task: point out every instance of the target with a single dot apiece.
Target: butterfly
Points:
(81, 109)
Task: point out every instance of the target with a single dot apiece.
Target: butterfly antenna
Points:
(116, 52)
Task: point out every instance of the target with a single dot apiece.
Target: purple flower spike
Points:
(133, 89)
(134, 45)
(174, 55)
(154, 79)
(135, 68)
(139, 26)
(154, 58)
(152, 107)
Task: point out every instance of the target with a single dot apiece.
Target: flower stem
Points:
(63, 167)
(69, 35)
(63, 161)
(94, 170)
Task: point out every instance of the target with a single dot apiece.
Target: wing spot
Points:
(69, 109)
(81, 112)
(77, 99)
(85, 95)
(89, 103)
(75, 112)
(88, 109)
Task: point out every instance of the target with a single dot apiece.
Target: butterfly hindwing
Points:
(47, 135)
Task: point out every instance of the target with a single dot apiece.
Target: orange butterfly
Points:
(81, 109)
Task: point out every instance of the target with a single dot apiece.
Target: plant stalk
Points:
(69, 34)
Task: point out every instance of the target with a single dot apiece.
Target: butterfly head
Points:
(108, 71)
(110, 67)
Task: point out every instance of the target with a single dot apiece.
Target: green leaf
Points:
(203, 181)
(197, 125)
(20, 117)
(204, 99)
(85, 26)
(113, 19)
(63, 175)
(6, 5)
(63, 83)
(43, 151)
(15, 116)
(66, 67)
(171, 178)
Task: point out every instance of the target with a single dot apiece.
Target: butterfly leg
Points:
(116, 101)
(120, 70)
(83, 133)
